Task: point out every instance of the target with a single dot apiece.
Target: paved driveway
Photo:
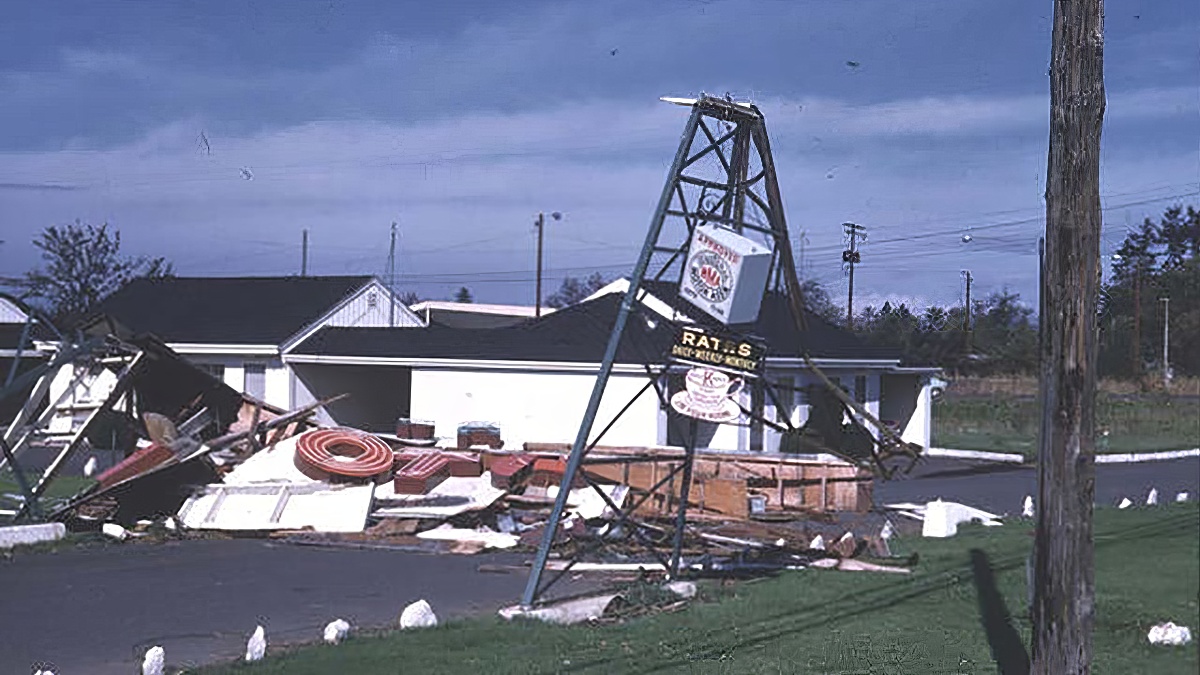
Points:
(1001, 488)
(96, 611)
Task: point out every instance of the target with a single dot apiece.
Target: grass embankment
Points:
(1002, 415)
(961, 611)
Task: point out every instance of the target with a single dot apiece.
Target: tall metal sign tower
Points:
(719, 241)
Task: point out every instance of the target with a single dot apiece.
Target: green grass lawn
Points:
(1147, 571)
(63, 487)
(1010, 424)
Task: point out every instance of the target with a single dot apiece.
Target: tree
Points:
(817, 301)
(82, 265)
(573, 291)
(1158, 260)
(409, 298)
(463, 295)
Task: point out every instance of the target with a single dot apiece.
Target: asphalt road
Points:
(96, 611)
(1001, 488)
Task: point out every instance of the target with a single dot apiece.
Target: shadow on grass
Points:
(798, 620)
(1007, 648)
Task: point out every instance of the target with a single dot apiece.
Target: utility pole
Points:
(1137, 320)
(1064, 571)
(1166, 369)
(537, 302)
(541, 224)
(304, 254)
(851, 257)
(392, 279)
(967, 310)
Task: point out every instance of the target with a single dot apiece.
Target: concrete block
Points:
(21, 535)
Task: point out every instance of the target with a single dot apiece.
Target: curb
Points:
(975, 454)
(1130, 457)
(1115, 458)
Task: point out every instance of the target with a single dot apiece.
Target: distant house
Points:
(534, 378)
(18, 338)
(473, 314)
(238, 327)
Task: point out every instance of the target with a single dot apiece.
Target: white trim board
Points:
(374, 284)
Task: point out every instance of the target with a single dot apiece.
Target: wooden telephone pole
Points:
(1064, 575)
(852, 257)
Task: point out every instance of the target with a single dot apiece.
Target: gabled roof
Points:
(474, 315)
(580, 334)
(576, 334)
(226, 310)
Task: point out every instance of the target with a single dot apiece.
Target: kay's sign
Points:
(699, 347)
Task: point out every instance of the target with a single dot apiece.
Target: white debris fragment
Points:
(781, 542)
(170, 524)
(1027, 507)
(1169, 634)
(89, 467)
(114, 530)
(1125, 503)
(154, 661)
(418, 615)
(818, 543)
(336, 631)
(1181, 497)
(256, 646)
(943, 518)
(888, 531)
(1152, 498)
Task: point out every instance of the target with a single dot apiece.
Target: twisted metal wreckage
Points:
(187, 414)
(689, 246)
(717, 249)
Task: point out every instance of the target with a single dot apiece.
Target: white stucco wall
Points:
(533, 406)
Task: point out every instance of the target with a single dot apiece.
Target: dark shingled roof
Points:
(580, 334)
(226, 310)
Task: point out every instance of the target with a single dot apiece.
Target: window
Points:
(217, 370)
(860, 388)
(256, 380)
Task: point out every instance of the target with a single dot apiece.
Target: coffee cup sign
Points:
(707, 396)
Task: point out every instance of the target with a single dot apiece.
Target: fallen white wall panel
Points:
(279, 506)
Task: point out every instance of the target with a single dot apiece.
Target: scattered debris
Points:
(418, 615)
(1181, 497)
(487, 537)
(1169, 634)
(115, 531)
(336, 631)
(1152, 498)
(1124, 503)
(256, 646)
(941, 519)
(568, 612)
(89, 467)
(818, 543)
(1027, 507)
(154, 661)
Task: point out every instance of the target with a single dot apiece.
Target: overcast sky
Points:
(214, 133)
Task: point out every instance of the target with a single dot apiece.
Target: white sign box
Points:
(725, 274)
